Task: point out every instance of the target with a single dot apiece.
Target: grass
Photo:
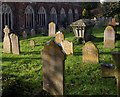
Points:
(22, 74)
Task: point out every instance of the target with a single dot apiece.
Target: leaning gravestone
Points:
(109, 37)
(15, 44)
(52, 29)
(67, 47)
(32, 32)
(6, 41)
(90, 53)
(59, 37)
(53, 68)
(24, 34)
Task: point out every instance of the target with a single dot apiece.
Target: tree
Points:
(111, 8)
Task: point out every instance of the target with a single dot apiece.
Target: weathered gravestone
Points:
(109, 37)
(53, 68)
(32, 32)
(24, 34)
(32, 43)
(59, 37)
(90, 53)
(14, 44)
(67, 47)
(6, 41)
(52, 29)
(113, 72)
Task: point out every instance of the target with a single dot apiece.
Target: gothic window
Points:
(42, 17)
(70, 16)
(76, 14)
(53, 15)
(7, 18)
(29, 17)
(62, 16)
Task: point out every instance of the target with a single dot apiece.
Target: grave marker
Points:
(109, 37)
(6, 41)
(24, 34)
(59, 37)
(90, 53)
(67, 47)
(15, 44)
(53, 68)
(52, 29)
(32, 43)
(32, 32)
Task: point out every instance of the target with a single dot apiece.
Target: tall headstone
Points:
(52, 29)
(32, 32)
(109, 37)
(24, 34)
(53, 68)
(90, 53)
(6, 41)
(15, 44)
(59, 37)
(67, 47)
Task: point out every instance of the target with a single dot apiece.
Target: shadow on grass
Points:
(77, 53)
(98, 39)
(31, 52)
(26, 59)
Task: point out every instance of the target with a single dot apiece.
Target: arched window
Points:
(62, 16)
(29, 17)
(53, 15)
(76, 14)
(70, 16)
(7, 17)
(42, 19)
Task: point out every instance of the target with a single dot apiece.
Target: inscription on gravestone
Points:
(15, 44)
(90, 53)
(6, 41)
(53, 68)
(109, 37)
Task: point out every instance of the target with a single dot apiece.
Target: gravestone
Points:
(53, 68)
(32, 32)
(6, 41)
(113, 22)
(109, 37)
(24, 34)
(32, 43)
(90, 53)
(67, 47)
(52, 29)
(59, 37)
(15, 44)
(114, 71)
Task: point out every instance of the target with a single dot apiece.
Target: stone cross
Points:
(90, 53)
(6, 41)
(15, 44)
(59, 37)
(109, 37)
(115, 71)
(67, 47)
(52, 29)
(53, 68)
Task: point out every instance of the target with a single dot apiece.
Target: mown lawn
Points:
(22, 74)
